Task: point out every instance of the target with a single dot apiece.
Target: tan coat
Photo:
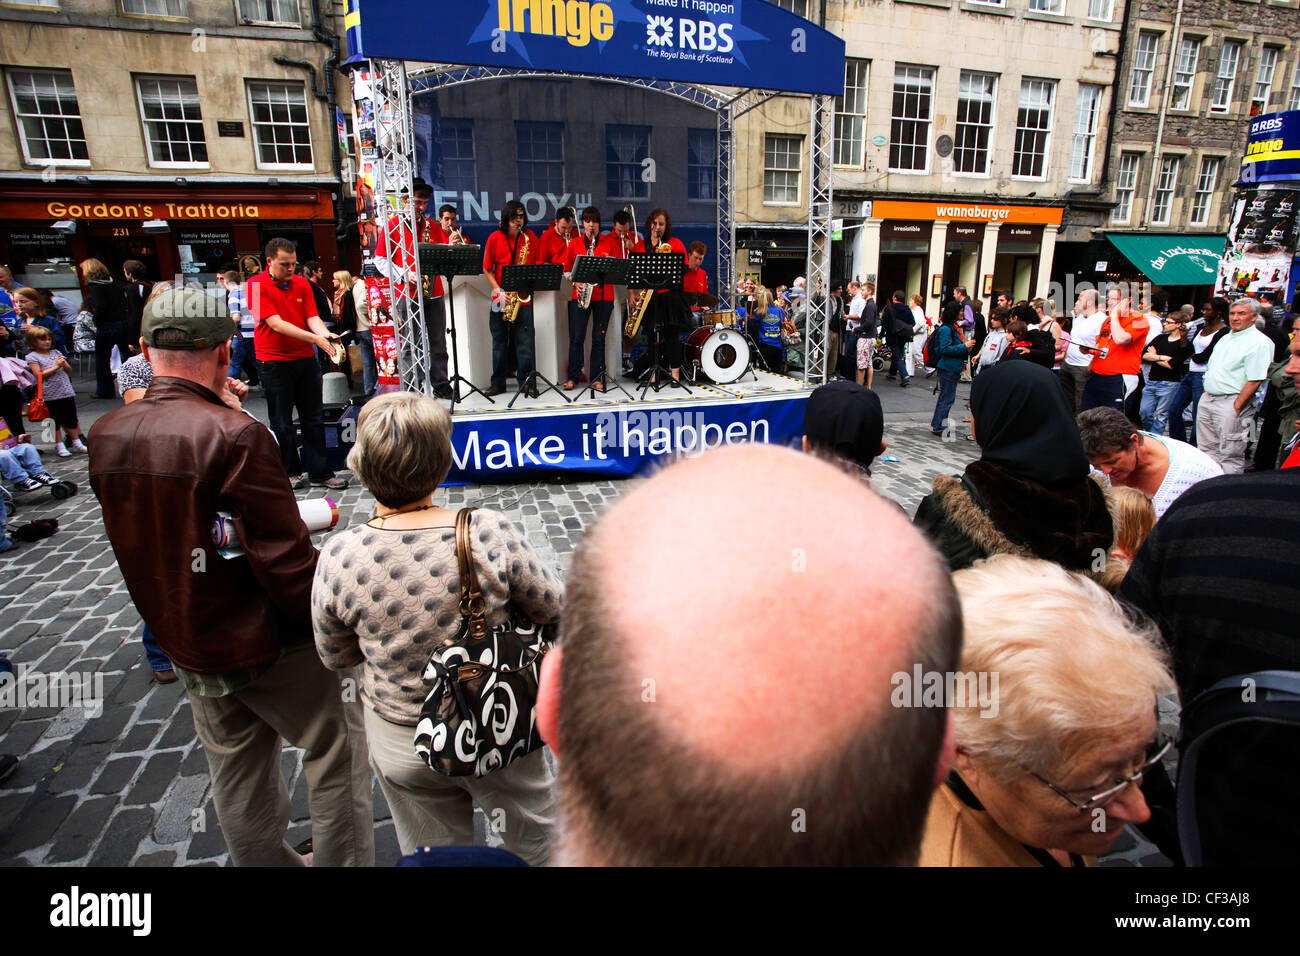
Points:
(958, 835)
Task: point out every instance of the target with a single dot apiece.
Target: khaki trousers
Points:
(301, 701)
(1221, 433)
(432, 810)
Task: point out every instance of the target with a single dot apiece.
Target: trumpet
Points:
(460, 239)
(638, 306)
(514, 300)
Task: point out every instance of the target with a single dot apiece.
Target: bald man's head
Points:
(725, 675)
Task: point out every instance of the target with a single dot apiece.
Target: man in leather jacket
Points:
(237, 630)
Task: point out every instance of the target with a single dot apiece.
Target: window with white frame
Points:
(1264, 79)
(52, 4)
(281, 130)
(1294, 102)
(626, 149)
(976, 94)
(1226, 79)
(988, 3)
(702, 164)
(48, 118)
(1125, 186)
(459, 168)
(1103, 10)
(1162, 201)
(1085, 132)
(173, 123)
(851, 114)
(909, 126)
(1207, 179)
(782, 156)
(269, 11)
(1144, 68)
(1189, 53)
(156, 8)
(539, 156)
(1047, 6)
(1033, 128)
(794, 6)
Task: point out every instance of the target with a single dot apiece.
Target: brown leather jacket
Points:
(162, 468)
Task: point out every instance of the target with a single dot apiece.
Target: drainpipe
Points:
(1164, 109)
(1114, 100)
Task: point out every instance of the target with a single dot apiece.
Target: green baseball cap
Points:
(204, 318)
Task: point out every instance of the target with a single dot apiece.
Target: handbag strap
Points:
(40, 384)
(471, 598)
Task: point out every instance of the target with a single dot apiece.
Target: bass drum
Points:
(721, 354)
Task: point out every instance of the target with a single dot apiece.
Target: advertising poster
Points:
(383, 333)
(367, 156)
(1261, 242)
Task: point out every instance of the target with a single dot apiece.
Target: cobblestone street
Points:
(129, 786)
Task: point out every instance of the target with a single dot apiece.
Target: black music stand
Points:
(529, 280)
(446, 261)
(601, 270)
(660, 271)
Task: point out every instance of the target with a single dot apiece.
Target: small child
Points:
(49, 364)
(1133, 515)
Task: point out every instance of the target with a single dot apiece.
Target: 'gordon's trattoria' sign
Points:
(162, 210)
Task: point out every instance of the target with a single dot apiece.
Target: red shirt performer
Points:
(590, 243)
(554, 244)
(513, 243)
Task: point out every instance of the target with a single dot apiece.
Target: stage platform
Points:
(611, 435)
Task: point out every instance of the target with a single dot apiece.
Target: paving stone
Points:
(122, 838)
(12, 804)
(158, 775)
(195, 762)
(82, 828)
(179, 732)
(59, 658)
(108, 726)
(176, 816)
(78, 581)
(163, 701)
(116, 775)
(33, 650)
(209, 841)
(22, 736)
(126, 657)
(14, 635)
(38, 824)
(79, 767)
(161, 858)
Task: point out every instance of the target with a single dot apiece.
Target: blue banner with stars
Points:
(737, 43)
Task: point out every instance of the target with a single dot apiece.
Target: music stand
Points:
(529, 280)
(660, 271)
(601, 270)
(440, 259)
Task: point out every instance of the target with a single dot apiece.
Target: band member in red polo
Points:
(450, 223)
(590, 243)
(395, 258)
(288, 332)
(554, 244)
(668, 316)
(512, 244)
(696, 280)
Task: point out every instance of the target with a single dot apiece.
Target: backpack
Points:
(930, 353)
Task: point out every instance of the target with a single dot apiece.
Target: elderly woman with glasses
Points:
(1056, 725)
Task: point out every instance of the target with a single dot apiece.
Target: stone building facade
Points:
(183, 133)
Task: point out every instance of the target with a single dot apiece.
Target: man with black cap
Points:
(843, 422)
(395, 258)
(238, 631)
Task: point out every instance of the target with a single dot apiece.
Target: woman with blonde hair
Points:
(767, 318)
(387, 593)
(106, 300)
(1054, 721)
(1133, 515)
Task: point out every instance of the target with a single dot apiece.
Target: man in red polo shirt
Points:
(513, 243)
(589, 243)
(288, 332)
(696, 279)
(554, 243)
(1115, 371)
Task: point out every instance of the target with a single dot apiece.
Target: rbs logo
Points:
(691, 35)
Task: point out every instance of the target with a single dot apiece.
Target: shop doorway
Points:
(113, 246)
(961, 267)
(905, 271)
(1014, 273)
(299, 236)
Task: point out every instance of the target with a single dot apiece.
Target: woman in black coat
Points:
(106, 300)
(1030, 493)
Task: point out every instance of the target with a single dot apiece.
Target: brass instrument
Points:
(460, 238)
(584, 297)
(641, 304)
(515, 301)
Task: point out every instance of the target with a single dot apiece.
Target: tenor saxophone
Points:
(641, 304)
(514, 300)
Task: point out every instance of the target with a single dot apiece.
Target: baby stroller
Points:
(882, 356)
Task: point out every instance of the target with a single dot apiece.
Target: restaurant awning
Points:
(1173, 258)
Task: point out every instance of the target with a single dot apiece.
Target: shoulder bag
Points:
(37, 410)
(478, 715)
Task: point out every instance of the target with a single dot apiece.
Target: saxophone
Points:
(584, 297)
(642, 304)
(514, 300)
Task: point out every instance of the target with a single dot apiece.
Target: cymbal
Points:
(701, 298)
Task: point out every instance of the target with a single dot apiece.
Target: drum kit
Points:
(718, 351)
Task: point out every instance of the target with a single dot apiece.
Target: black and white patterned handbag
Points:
(479, 713)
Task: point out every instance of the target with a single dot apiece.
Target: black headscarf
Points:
(1024, 426)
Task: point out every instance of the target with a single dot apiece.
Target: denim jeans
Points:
(242, 359)
(947, 395)
(1156, 398)
(523, 329)
(158, 661)
(600, 313)
(297, 384)
(1188, 393)
(369, 370)
(897, 360)
(19, 462)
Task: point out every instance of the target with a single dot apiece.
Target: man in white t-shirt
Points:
(1076, 368)
(852, 319)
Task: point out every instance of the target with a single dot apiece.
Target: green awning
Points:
(1173, 258)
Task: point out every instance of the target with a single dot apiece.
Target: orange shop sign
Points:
(966, 212)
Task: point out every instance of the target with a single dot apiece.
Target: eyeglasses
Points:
(1154, 755)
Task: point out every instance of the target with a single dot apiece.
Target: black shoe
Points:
(494, 390)
(300, 483)
(903, 383)
(8, 764)
(443, 392)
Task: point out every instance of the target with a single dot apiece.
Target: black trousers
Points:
(289, 385)
(599, 313)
